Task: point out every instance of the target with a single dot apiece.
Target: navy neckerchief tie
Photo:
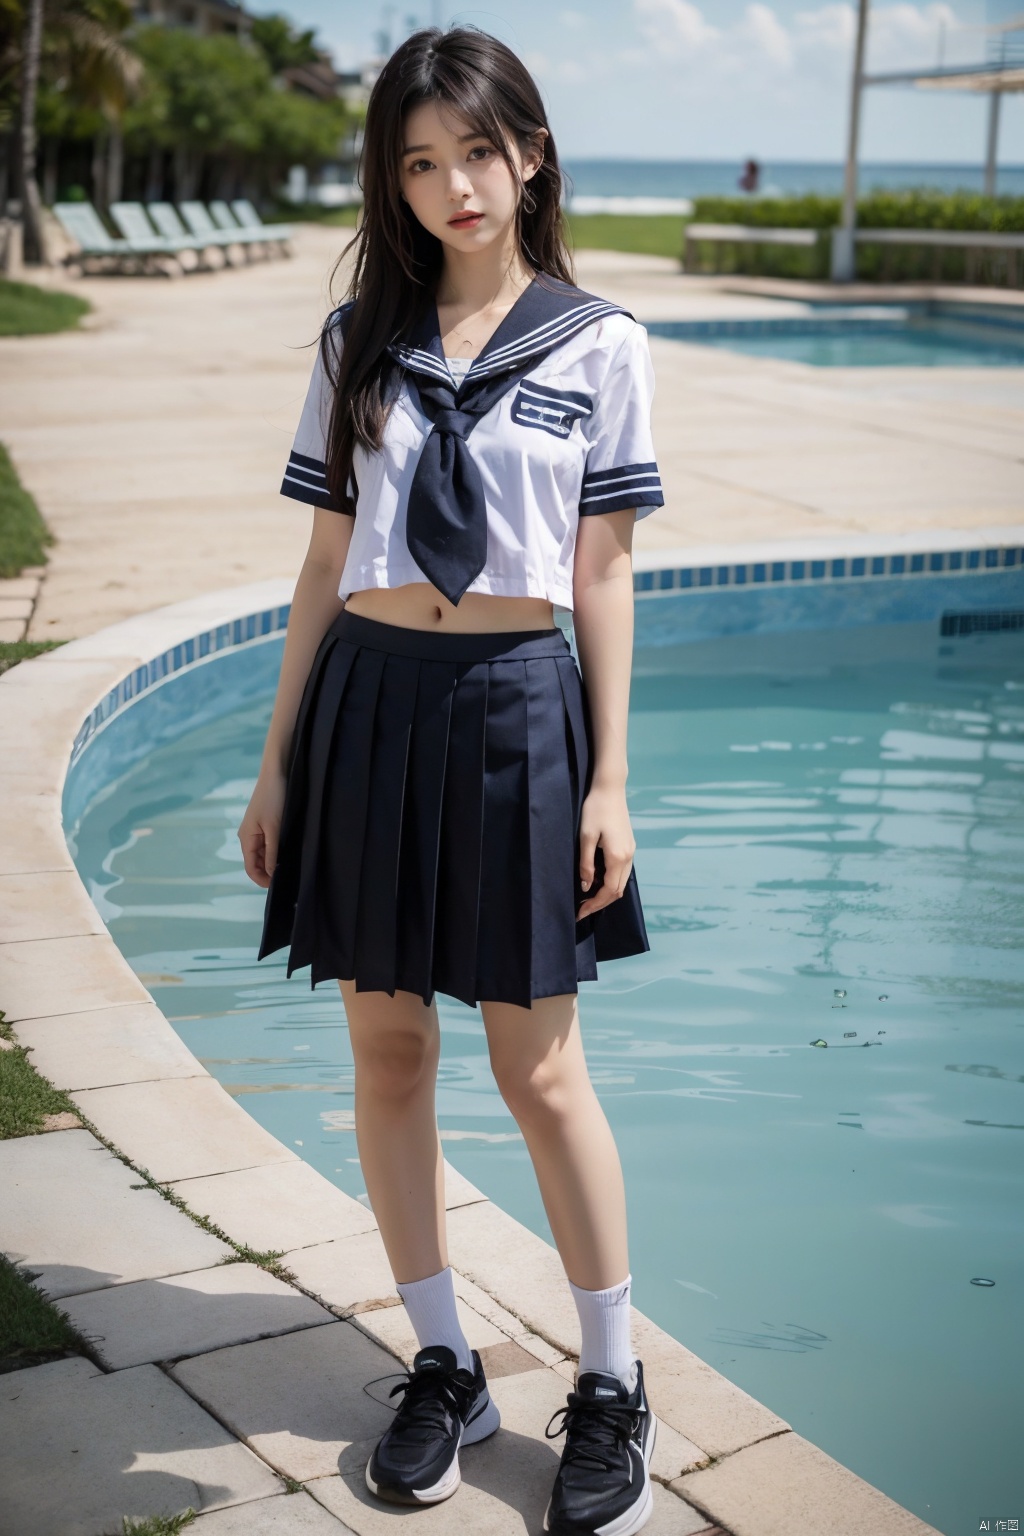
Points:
(446, 518)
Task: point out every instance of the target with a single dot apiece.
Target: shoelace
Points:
(428, 1394)
(595, 1431)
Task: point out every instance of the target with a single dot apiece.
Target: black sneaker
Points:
(416, 1460)
(603, 1484)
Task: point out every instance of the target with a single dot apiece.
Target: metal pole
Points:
(992, 152)
(843, 262)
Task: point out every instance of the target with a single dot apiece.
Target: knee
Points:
(535, 1092)
(395, 1065)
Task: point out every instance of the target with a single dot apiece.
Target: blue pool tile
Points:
(739, 575)
(796, 570)
(956, 560)
(878, 565)
(686, 576)
(991, 557)
(759, 572)
(936, 562)
(722, 576)
(897, 564)
(858, 565)
(778, 570)
(973, 559)
(817, 569)
(838, 567)
(705, 576)
(917, 562)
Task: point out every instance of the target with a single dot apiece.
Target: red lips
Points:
(466, 219)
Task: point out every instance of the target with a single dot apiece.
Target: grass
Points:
(13, 651)
(24, 535)
(157, 1525)
(26, 1098)
(654, 234)
(26, 310)
(32, 1330)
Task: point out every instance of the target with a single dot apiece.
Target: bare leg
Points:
(396, 1044)
(538, 1063)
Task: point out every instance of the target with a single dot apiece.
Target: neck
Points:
(482, 280)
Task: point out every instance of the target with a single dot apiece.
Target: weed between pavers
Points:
(156, 1525)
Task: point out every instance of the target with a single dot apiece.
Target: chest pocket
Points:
(551, 410)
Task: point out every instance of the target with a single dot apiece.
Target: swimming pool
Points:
(867, 336)
(829, 830)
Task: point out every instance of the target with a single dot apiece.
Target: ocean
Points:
(663, 185)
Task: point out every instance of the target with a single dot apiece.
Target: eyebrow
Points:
(416, 149)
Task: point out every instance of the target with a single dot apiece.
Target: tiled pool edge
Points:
(45, 707)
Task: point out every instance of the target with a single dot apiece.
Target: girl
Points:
(441, 803)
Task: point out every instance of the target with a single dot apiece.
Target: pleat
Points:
(282, 893)
(552, 872)
(376, 926)
(461, 839)
(504, 949)
(346, 798)
(421, 826)
(321, 738)
(572, 693)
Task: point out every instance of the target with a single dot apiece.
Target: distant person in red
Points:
(750, 180)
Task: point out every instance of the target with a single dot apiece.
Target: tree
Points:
(283, 47)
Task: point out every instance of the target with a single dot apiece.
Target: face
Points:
(456, 182)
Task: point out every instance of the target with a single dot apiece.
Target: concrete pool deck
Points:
(230, 1388)
(154, 440)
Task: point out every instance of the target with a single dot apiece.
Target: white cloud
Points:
(900, 34)
(674, 25)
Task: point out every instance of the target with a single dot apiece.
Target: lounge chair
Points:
(95, 242)
(165, 217)
(203, 227)
(133, 222)
(246, 214)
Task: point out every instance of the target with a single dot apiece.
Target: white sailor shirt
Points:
(569, 438)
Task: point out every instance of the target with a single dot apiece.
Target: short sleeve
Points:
(620, 470)
(305, 478)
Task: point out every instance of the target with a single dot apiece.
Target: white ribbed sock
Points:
(430, 1304)
(604, 1324)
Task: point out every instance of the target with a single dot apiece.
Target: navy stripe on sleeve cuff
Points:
(306, 480)
(631, 485)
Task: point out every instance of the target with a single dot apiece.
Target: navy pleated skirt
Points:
(430, 833)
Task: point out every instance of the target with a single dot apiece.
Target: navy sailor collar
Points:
(547, 313)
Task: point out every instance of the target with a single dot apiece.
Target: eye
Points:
(481, 149)
(414, 167)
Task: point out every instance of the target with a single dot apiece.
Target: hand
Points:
(605, 820)
(261, 827)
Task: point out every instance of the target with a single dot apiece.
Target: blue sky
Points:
(722, 79)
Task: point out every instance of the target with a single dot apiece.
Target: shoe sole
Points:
(478, 1428)
(636, 1517)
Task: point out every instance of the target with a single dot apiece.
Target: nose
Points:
(459, 184)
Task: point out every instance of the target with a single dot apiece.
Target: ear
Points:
(533, 158)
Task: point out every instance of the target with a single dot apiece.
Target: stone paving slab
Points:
(40, 977)
(132, 1043)
(392, 1328)
(506, 1479)
(31, 836)
(279, 1206)
(786, 1484)
(190, 1314)
(50, 904)
(524, 1273)
(351, 1274)
(286, 1514)
(298, 1400)
(180, 1129)
(71, 1216)
(82, 1449)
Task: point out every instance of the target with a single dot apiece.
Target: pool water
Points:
(815, 1077)
(908, 341)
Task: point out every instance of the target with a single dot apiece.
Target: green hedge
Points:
(919, 208)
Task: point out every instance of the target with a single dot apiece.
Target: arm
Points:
(315, 605)
(603, 624)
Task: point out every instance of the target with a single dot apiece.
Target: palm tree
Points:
(84, 38)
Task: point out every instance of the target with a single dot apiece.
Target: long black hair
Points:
(397, 261)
